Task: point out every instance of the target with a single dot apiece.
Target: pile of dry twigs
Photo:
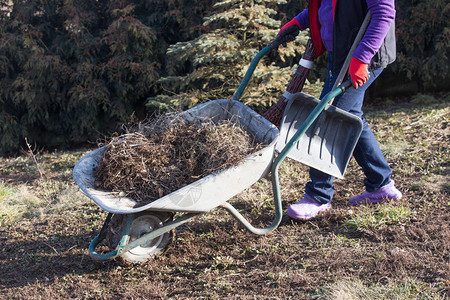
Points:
(168, 153)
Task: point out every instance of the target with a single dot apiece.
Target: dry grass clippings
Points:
(168, 153)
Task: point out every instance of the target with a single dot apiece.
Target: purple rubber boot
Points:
(306, 209)
(385, 193)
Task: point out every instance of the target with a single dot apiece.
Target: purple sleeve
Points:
(383, 14)
(303, 19)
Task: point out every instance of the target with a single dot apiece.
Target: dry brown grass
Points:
(167, 153)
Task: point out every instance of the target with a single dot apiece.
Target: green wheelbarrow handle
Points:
(273, 45)
(237, 95)
(279, 159)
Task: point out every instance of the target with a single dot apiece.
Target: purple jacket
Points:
(383, 15)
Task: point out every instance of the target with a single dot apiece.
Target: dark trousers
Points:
(367, 151)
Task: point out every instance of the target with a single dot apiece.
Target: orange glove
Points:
(358, 72)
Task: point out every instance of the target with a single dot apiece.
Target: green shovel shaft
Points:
(288, 147)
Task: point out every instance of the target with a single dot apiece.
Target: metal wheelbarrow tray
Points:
(205, 193)
(200, 196)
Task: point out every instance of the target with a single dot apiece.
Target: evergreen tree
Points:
(423, 42)
(212, 65)
(71, 71)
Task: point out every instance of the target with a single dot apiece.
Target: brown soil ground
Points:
(390, 251)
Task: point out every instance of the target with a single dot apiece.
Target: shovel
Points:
(328, 144)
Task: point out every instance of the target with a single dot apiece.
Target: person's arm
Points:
(303, 19)
(382, 15)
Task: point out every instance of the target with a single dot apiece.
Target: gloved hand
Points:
(358, 72)
(289, 31)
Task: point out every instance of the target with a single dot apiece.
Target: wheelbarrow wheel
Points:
(142, 224)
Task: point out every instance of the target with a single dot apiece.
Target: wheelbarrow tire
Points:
(143, 223)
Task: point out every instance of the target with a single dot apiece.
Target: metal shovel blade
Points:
(328, 143)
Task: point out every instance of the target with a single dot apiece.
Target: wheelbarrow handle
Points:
(271, 46)
(249, 73)
(345, 85)
(276, 163)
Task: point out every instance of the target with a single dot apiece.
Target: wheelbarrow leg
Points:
(98, 239)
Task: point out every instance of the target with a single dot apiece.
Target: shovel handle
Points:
(358, 38)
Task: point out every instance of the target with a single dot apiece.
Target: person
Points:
(334, 25)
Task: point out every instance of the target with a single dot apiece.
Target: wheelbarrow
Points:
(144, 230)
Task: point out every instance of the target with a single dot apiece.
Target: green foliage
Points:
(70, 69)
(212, 65)
(173, 20)
(73, 70)
(423, 40)
(372, 218)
